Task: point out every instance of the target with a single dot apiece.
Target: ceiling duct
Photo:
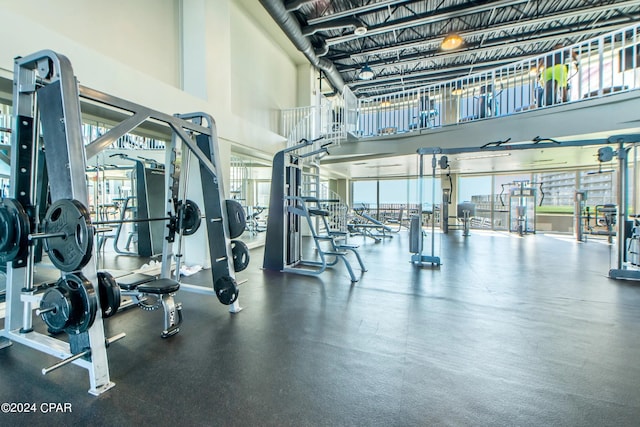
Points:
(292, 5)
(322, 50)
(358, 26)
(289, 24)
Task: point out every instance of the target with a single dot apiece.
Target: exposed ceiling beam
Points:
(428, 19)
(504, 27)
(358, 10)
(498, 43)
(437, 74)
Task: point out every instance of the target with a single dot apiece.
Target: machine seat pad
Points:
(131, 281)
(319, 212)
(335, 253)
(347, 246)
(159, 287)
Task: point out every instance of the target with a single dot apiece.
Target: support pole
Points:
(420, 259)
(622, 206)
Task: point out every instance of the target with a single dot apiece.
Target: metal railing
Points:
(590, 69)
(331, 119)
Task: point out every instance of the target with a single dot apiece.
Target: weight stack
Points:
(415, 235)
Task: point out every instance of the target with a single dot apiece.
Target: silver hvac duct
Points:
(358, 26)
(292, 5)
(289, 24)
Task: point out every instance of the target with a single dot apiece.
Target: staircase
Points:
(328, 123)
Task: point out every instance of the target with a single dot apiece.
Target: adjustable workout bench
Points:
(368, 226)
(139, 287)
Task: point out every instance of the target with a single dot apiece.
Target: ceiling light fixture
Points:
(360, 31)
(366, 73)
(452, 41)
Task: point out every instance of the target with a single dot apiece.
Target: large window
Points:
(394, 191)
(558, 189)
(477, 190)
(365, 192)
(600, 186)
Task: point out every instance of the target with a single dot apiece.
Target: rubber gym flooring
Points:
(509, 331)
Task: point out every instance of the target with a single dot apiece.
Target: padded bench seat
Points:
(131, 281)
(347, 246)
(335, 253)
(160, 287)
(318, 212)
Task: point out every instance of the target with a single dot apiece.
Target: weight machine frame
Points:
(47, 93)
(623, 268)
(418, 258)
(287, 209)
(522, 191)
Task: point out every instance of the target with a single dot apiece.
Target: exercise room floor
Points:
(509, 331)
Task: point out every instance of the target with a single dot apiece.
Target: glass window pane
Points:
(365, 192)
(600, 186)
(502, 187)
(477, 190)
(559, 191)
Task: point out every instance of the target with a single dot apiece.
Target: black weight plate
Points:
(191, 218)
(58, 319)
(3, 281)
(226, 290)
(240, 253)
(109, 294)
(84, 304)
(14, 230)
(72, 251)
(7, 230)
(236, 217)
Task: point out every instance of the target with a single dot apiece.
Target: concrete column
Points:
(307, 85)
(205, 73)
(341, 188)
(193, 47)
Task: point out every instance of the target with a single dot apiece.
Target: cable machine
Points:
(416, 235)
(287, 211)
(627, 228)
(522, 205)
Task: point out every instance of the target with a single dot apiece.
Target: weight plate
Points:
(7, 230)
(72, 251)
(84, 303)
(240, 253)
(58, 298)
(3, 281)
(109, 294)
(226, 290)
(236, 217)
(191, 218)
(14, 230)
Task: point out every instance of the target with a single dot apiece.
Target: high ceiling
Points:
(403, 37)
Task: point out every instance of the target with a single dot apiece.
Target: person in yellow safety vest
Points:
(555, 75)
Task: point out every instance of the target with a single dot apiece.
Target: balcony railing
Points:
(591, 69)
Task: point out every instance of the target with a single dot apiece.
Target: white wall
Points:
(141, 33)
(257, 96)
